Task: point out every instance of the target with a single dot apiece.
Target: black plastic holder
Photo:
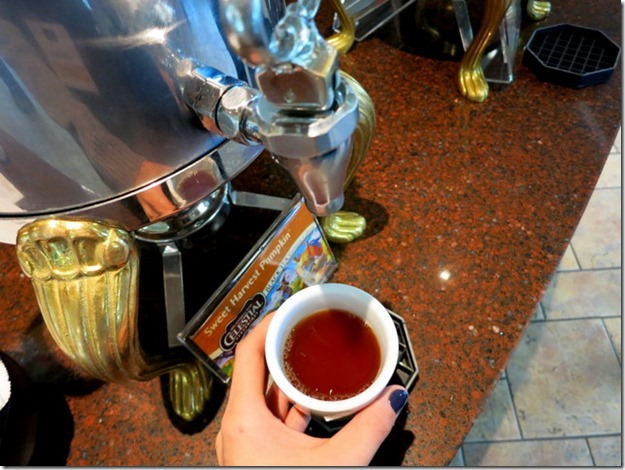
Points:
(571, 55)
(405, 374)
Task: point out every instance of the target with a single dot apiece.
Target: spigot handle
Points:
(246, 30)
(292, 40)
(296, 37)
(296, 69)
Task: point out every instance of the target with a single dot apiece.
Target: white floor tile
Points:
(458, 460)
(566, 380)
(568, 261)
(617, 141)
(613, 325)
(581, 294)
(606, 451)
(597, 238)
(543, 453)
(497, 421)
(539, 314)
(611, 176)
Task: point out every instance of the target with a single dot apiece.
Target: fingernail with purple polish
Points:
(398, 399)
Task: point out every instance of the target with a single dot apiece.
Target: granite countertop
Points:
(489, 193)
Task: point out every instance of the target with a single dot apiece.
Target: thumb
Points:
(361, 437)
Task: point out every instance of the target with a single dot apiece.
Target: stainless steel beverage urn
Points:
(126, 120)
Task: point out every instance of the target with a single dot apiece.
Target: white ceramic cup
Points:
(321, 297)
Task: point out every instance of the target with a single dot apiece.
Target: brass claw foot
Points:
(472, 83)
(538, 9)
(189, 389)
(343, 226)
(85, 276)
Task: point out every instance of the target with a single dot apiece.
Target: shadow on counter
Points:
(36, 424)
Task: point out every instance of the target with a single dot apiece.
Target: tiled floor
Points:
(559, 401)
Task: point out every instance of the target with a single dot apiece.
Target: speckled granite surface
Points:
(488, 193)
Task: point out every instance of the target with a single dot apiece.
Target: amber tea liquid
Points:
(332, 355)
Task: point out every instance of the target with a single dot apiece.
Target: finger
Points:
(361, 437)
(277, 402)
(249, 377)
(280, 406)
(219, 448)
(297, 419)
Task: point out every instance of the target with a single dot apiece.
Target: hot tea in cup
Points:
(332, 355)
(331, 349)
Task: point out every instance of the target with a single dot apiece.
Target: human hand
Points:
(262, 429)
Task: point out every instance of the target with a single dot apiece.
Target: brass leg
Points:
(538, 9)
(344, 226)
(190, 388)
(471, 79)
(85, 276)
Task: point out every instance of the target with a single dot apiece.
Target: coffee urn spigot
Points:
(302, 112)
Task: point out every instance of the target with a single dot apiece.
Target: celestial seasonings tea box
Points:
(292, 254)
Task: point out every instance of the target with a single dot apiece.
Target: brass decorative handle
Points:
(344, 39)
(345, 226)
(363, 135)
